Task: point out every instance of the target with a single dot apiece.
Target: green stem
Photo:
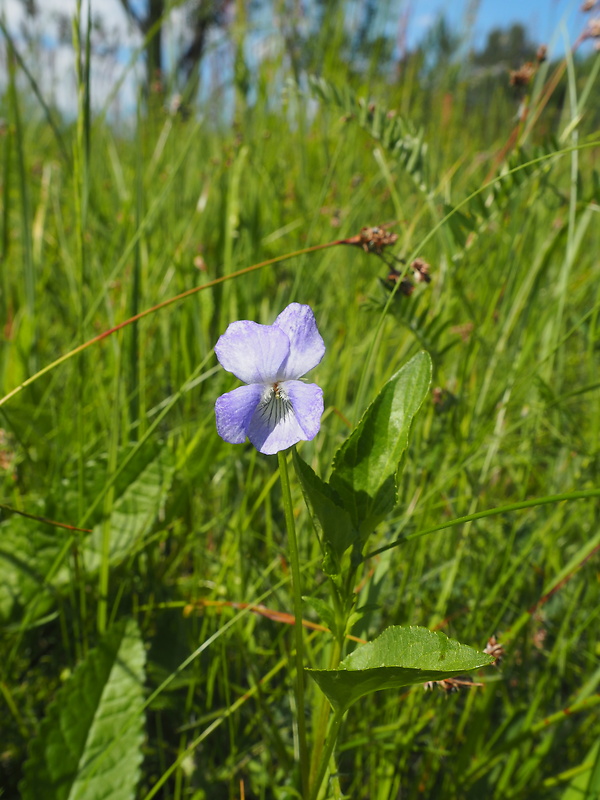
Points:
(323, 719)
(298, 631)
(330, 741)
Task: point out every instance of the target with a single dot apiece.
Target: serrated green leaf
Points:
(134, 511)
(336, 526)
(89, 745)
(27, 552)
(365, 467)
(400, 656)
(136, 460)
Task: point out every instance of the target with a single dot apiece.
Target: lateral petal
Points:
(307, 402)
(285, 418)
(306, 344)
(234, 412)
(254, 353)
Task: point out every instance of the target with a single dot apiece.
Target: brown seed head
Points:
(450, 685)
(522, 76)
(464, 331)
(588, 5)
(494, 648)
(542, 53)
(437, 395)
(593, 29)
(373, 240)
(407, 287)
(421, 270)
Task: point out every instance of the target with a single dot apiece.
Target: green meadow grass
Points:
(120, 438)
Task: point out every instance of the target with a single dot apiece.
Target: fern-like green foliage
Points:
(89, 744)
(406, 143)
(397, 135)
(520, 169)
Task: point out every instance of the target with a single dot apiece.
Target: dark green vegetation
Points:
(120, 439)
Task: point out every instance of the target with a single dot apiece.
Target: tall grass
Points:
(186, 530)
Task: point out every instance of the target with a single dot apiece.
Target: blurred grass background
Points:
(102, 220)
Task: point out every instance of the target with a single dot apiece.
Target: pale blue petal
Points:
(254, 353)
(306, 345)
(234, 411)
(307, 402)
(282, 421)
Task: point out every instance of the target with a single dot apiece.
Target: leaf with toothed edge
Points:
(89, 744)
(400, 656)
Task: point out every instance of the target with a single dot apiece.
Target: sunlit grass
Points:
(510, 319)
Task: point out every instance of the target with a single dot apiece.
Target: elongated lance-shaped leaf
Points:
(89, 745)
(337, 528)
(366, 465)
(400, 656)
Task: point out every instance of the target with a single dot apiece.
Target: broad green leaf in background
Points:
(135, 510)
(366, 465)
(337, 529)
(89, 744)
(133, 461)
(400, 656)
(28, 549)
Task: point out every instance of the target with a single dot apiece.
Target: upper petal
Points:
(234, 411)
(254, 353)
(306, 345)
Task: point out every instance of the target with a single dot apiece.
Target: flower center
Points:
(275, 405)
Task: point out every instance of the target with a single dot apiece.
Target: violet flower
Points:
(275, 410)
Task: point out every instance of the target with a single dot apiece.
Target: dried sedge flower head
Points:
(495, 649)
(542, 53)
(588, 5)
(464, 331)
(437, 395)
(443, 400)
(523, 75)
(407, 287)
(7, 455)
(593, 29)
(450, 685)
(421, 270)
(374, 240)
